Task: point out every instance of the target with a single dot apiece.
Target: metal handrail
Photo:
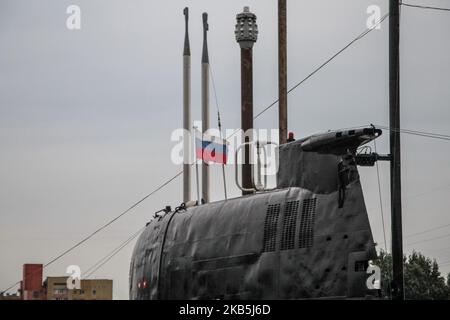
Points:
(258, 186)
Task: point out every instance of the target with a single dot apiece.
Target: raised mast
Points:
(186, 111)
(205, 104)
(246, 35)
(282, 71)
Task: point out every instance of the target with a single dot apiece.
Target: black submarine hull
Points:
(309, 239)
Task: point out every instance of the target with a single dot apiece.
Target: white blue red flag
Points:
(210, 149)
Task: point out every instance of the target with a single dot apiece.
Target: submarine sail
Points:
(309, 238)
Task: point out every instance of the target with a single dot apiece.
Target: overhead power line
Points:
(417, 133)
(92, 269)
(359, 37)
(424, 7)
(103, 226)
(380, 198)
(428, 230)
(442, 264)
(428, 240)
(113, 220)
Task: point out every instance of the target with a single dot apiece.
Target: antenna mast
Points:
(186, 112)
(205, 105)
(246, 35)
(282, 71)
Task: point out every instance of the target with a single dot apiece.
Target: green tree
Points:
(423, 281)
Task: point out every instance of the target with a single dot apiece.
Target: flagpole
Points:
(198, 189)
(223, 164)
(224, 181)
(196, 173)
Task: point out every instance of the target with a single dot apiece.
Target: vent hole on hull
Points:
(306, 235)
(270, 227)
(289, 223)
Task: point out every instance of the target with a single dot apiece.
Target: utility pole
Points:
(246, 35)
(282, 71)
(394, 135)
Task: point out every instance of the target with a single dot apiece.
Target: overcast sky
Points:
(86, 115)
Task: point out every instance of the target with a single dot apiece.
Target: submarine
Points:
(307, 238)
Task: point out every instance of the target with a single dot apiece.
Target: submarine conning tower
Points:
(310, 238)
(313, 163)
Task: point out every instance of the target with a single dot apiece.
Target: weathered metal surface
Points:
(282, 71)
(246, 35)
(247, 114)
(291, 243)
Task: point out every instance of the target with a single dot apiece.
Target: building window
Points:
(94, 292)
(59, 291)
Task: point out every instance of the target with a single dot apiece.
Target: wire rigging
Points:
(381, 210)
(428, 240)
(92, 269)
(380, 198)
(103, 226)
(424, 7)
(219, 124)
(359, 37)
(417, 133)
(113, 220)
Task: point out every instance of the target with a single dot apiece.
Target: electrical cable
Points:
(418, 133)
(102, 227)
(219, 124)
(359, 37)
(380, 197)
(424, 7)
(92, 269)
(428, 240)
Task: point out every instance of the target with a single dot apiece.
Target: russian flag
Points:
(210, 149)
